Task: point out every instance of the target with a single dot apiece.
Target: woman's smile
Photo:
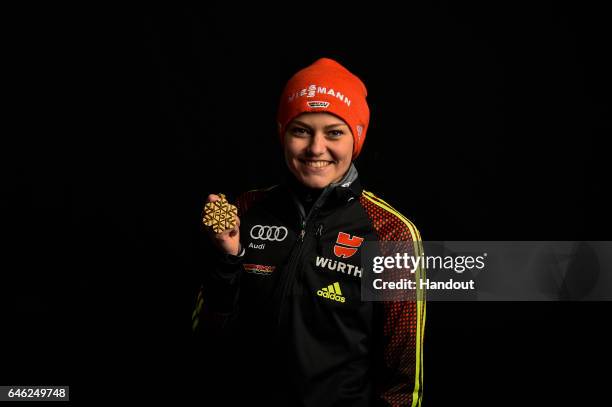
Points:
(316, 164)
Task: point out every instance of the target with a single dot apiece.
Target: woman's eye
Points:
(336, 133)
(298, 131)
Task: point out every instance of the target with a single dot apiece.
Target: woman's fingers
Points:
(212, 198)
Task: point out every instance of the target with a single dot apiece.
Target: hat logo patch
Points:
(318, 104)
(313, 90)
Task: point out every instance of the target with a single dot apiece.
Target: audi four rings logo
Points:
(272, 233)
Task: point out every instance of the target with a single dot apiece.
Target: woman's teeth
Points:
(317, 164)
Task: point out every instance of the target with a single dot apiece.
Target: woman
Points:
(285, 290)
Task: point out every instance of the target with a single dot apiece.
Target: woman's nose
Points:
(317, 144)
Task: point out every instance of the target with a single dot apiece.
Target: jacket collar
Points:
(342, 191)
(349, 184)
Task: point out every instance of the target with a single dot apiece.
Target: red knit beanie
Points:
(326, 86)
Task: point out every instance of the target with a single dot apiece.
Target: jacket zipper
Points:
(293, 262)
(297, 251)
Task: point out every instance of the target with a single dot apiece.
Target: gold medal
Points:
(220, 215)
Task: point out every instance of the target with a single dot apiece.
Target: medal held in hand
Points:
(220, 215)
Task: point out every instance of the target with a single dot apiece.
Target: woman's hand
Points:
(227, 241)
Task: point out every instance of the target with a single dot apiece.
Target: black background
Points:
(487, 123)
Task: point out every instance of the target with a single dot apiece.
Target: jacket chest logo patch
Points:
(332, 292)
(259, 269)
(347, 245)
(269, 233)
(335, 265)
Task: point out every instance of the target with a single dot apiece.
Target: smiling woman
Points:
(285, 283)
(318, 149)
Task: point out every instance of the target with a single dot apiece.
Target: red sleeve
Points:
(401, 323)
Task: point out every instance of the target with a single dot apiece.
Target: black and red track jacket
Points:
(289, 311)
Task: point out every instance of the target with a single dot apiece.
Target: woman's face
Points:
(318, 148)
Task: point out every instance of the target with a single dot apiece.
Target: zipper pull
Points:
(303, 231)
(319, 230)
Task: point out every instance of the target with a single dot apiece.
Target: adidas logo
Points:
(333, 292)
